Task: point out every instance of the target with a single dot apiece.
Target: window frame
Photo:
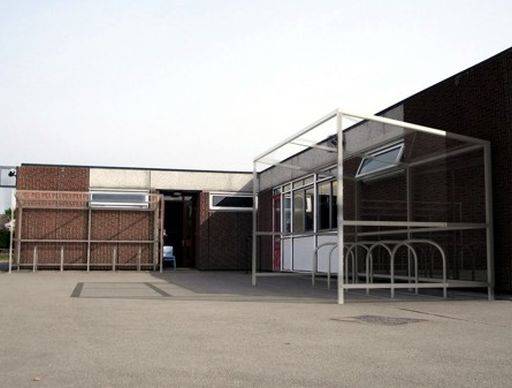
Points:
(229, 208)
(379, 151)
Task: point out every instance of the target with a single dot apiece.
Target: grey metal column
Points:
(160, 245)
(18, 232)
(155, 237)
(11, 239)
(339, 199)
(292, 231)
(281, 231)
(315, 217)
(89, 219)
(254, 222)
(409, 218)
(489, 221)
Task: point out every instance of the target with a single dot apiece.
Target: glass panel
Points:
(119, 197)
(310, 203)
(287, 187)
(231, 201)
(287, 217)
(308, 180)
(298, 211)
(324, 194)
(334, 206)
(298, 184)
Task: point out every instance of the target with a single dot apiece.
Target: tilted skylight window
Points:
(380, 159)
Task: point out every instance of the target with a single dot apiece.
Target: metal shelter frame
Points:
(405, 227)
(81, 201)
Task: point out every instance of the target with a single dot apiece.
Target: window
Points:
(298, 211)
(298, 184)
(121, 199)
(381, 159)
(308, 209)
(231, 202)
(324, 203)
(303, 210)
(334, 204)
(287, 216)
(309, 180)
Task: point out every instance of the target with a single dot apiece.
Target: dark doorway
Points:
(180, 226)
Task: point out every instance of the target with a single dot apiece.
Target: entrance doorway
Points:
(180, 225)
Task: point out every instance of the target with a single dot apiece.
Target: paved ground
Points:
(213, 329)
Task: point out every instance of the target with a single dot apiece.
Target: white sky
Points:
(210, 84)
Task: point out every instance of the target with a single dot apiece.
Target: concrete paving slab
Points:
(228, 334)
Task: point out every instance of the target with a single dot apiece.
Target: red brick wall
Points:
(50, 178)
(60, 224)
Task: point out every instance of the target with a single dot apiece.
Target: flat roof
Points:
(135, 168)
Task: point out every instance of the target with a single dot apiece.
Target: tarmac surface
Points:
(189, 328)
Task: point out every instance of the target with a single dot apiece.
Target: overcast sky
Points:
(209, 84)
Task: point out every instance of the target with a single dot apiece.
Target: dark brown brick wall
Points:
(223, 239)
(265, 249)
(478, 103)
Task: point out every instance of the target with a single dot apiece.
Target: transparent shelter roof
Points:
(314, 148)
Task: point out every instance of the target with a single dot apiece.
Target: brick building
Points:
(204, 213)
(476, 102)
(99, 217)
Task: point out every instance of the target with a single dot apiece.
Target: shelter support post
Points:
(139, 255)
(155, 239)
(315, 217)
(114, 254)
(11, 239)
(18, 232)
(489, 220)
(161, 236)
(89, 218)
(339, 200)
(254, 222)
(34, 259)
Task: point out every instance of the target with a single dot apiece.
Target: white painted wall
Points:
(323, 254)
(302, 253)
(119, 178)
(286, 254)
(206, 181)
(169, 180)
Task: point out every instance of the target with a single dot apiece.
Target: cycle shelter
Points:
(370, 203)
